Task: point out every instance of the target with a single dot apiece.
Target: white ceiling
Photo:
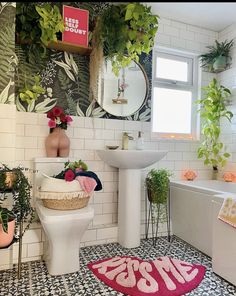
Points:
(215, 16)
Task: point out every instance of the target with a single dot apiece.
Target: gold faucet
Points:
(125, 140)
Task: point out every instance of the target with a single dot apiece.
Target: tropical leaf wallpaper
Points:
(64, 76)
(8, 58)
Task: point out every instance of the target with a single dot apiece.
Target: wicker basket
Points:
(72, 201)
(66, 204)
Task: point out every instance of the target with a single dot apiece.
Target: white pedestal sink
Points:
(130, 163)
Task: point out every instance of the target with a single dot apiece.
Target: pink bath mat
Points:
(135, 277)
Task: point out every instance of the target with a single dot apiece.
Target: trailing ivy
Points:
(212, 110)
(125, 31)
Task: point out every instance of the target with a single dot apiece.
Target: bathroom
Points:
(23, 134)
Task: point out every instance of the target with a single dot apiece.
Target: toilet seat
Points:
(50, 215)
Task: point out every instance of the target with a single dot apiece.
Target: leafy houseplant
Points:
(212, 109)
(218, 58)
(124, 31)
(15, 181)
(5, 217)
(157, 183)
(51, 22)
(38, 24)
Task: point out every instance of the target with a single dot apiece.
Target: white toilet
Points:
(64, 229)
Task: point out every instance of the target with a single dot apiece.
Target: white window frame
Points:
(191, 85)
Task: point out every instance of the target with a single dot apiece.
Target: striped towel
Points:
(228, 211)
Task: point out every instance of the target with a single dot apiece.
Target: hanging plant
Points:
(125, 31)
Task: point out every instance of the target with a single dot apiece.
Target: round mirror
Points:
(125, 94)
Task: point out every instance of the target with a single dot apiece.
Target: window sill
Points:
(174, 138)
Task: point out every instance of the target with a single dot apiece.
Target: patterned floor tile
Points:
(36, 281)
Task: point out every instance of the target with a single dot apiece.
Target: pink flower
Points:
(69, 175)
(63, 117)
(50, 115)
(68, 119)
(51, 123)
(77, 170)
(57, 111)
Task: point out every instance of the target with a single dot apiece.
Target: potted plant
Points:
(125, 31)
(21, 210)
(212, 110)
(36, 25)
(7, 227)
(218, 58)
(157, 183)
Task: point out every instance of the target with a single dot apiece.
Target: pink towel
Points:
(87, 184)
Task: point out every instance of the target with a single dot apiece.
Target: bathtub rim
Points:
(188, 185)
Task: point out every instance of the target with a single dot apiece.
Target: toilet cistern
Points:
(125, 140)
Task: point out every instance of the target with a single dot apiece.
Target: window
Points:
(174, 91)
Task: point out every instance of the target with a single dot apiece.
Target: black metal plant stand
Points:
(149, 217)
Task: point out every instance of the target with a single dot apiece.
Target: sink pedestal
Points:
(130, 163)
(129, 207)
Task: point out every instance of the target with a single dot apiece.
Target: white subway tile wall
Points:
(22, 137)
(228, 79)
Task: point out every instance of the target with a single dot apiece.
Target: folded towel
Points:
(87, 184)
(91, 175)
(228, 211)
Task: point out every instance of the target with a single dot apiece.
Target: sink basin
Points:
(131, 159)
(130, 164)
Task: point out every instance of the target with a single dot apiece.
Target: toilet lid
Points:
(50, 215)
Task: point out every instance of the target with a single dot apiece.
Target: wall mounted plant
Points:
(218, 58)
(125, 31)
(38, 24)
(213, 108)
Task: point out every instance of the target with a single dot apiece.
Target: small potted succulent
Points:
(7, 227)
(218, 58)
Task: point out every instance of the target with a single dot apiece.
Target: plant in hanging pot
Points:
(218, 58)
(7, 227)
(213, 108)
(57, 143)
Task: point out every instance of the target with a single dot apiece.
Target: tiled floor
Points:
(37, 282)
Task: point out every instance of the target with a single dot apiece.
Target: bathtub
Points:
(194, 215)
(192, 210)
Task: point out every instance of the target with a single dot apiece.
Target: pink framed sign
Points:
(76, 25)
